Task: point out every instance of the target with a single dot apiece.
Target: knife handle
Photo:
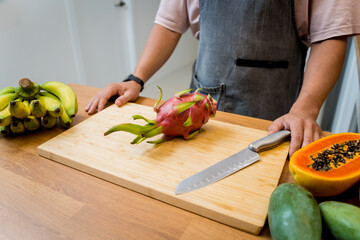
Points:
(270, 141)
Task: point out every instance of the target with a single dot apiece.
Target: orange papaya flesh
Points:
(336, 178)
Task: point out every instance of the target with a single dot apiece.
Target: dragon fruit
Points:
(182, 115)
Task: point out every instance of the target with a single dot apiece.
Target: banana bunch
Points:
(30, 106)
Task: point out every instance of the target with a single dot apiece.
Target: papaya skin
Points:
(325, 183)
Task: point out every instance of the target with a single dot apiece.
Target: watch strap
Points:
(135, 79)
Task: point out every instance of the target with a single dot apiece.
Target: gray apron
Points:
(250, 58)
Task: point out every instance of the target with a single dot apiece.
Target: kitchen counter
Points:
(42, 199)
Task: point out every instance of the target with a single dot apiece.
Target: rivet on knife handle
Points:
(270, 141)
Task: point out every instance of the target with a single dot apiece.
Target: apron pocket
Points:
(262, 63)
(215, 92)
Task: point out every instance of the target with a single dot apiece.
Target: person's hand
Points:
(304, 129)
(127, 91)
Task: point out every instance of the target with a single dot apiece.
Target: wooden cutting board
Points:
(240, 200)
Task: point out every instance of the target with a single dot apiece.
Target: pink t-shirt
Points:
(316, 20)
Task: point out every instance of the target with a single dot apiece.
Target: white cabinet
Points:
(101, 43)
(92, 42)
(35, 42)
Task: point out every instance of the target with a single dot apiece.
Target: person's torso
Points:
(250, 57)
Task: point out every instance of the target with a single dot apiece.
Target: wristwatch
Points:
(135, 79)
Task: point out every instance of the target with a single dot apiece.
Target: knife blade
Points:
(231, 164)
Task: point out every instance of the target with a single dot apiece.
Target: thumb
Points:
(122, 99)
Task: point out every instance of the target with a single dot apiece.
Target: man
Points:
(251, 57)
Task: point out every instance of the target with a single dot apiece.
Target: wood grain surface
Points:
(240, 200)
(41, 199)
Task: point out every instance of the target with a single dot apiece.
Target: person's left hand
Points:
(304, 129)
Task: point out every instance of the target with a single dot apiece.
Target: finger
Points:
(102, 103)
(318, 133)
(309, 132)
(297, 133)
(276, 126)
(93, 106)
(122, 99)
(89, 104)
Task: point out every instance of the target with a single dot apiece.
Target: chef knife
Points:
(231, 164)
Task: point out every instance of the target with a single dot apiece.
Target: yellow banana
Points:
(5, 117)
(53, 107)
(65, 94)
(47, 94)
(5, 130)
(49, 121)
(7, 90)
(19, 109)
(31, 123)
(17, 126)
(37, 108)
(6, 98)
(65, 120)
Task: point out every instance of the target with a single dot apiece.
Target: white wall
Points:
(90, 42)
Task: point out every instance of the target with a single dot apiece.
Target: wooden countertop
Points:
(42, 199)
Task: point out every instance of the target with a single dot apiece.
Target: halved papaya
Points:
(328, 166)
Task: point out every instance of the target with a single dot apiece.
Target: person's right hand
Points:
(127, 91)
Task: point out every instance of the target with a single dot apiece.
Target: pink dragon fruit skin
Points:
(182, 115)
(172, 122)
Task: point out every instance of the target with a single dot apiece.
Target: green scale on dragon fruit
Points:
(182, 115)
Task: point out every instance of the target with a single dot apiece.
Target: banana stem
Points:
(27, 89)
(26, 83)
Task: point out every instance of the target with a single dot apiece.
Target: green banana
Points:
(53, 107)
(65, 120)
(32, 123)
(7, 90)
(19, 109)
(37, 108)
(17, 126)
(49, 121)
(65, 94)
(5, 130)
(6, 98)
(27, 89)
(5, 117)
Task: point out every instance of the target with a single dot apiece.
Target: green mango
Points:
(294, 214)
(341, 219)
